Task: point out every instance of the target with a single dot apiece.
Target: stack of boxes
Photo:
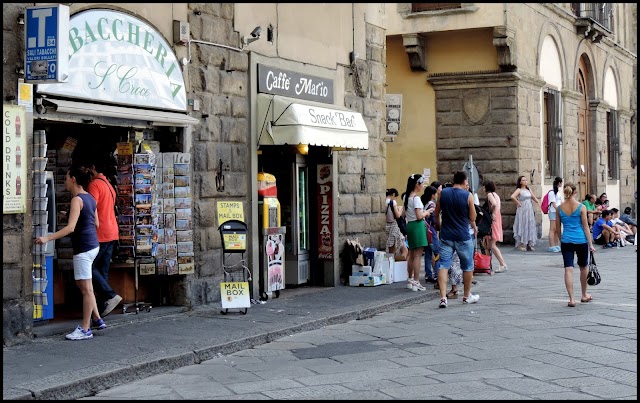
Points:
(364, 276)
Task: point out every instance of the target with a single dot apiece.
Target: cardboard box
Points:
(366, 281)
(387, 267)
(357, 270)
(369, 255)
(400, 272)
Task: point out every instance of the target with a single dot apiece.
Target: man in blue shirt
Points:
(603, 231)
(458, 213)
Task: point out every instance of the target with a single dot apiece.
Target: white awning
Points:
(283, 120)
(157, 118)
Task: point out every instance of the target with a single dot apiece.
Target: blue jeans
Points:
(465, 253)
(432, 250)
(100, 273)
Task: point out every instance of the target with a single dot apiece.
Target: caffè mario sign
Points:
(276, 81)
(117, 58)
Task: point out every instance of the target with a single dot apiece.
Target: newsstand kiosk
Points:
(272, 253)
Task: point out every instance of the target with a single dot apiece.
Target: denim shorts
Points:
(552, 216)
(464, 250)
(82, 263)
(580, 249)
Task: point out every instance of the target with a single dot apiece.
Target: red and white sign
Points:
(325, 212)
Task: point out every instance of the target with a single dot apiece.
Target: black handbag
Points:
(593, 277)
(402, 223)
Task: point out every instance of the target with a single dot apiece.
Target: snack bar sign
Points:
(47, 56)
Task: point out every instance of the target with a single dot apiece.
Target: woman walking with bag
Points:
(555, 198)
(574, 238)
(524, 226)
(496, 224)
(416, 230)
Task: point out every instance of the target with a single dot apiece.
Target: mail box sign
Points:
(289, 83)
(235, 295)
(46, 31)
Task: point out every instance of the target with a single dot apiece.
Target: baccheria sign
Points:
(117, 58)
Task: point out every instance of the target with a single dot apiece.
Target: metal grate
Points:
(419, 7)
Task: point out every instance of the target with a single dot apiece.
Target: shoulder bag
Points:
(402, 224)
(593, 277)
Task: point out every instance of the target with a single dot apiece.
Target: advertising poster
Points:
(275, 254)
(14, 159)
(325, 212)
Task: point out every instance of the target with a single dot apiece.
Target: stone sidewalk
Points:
(137, 347)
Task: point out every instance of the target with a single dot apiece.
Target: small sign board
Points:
(46, 58)
(230, 210)
(235, 295)
(394, 113)
(234, 241)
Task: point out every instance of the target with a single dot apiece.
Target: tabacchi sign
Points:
(291, 84)
(117, 58)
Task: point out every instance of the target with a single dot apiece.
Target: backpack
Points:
(484, 219)
(544, 206)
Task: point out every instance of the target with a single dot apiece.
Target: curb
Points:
(114, 374)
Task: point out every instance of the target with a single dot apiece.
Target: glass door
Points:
(302, 222)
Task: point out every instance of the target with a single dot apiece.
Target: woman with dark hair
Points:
(592, 209)
(554, 200)
(524, 225)
(82, 226)
(493, 199)
(416, 230)
(433, 249)
(395, 239)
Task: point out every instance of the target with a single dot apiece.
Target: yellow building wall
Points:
(414, 149)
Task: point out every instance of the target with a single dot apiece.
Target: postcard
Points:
(168, 190)
(143, 179)
(170, 221)
(183, 214)
(172, 267)
(161, 266)
(183, 202)
(186, 268)
(182, 158)
(185, 248)
(126, 241)
(142, 159)
(143, 169)
(143, 189)
(171, 251)
(183, 191)
(184, 236)
(160, 235)
(181, 181)
(144, 230)
(168, 206)
(125, 220)
(170, 236)
(181, 169)
(147, 269)
(161, 250)
(183, 225)
(143, 200)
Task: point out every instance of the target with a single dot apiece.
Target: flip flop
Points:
(587, 299)
(571, 305)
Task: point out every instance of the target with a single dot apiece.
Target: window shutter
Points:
(555, 146)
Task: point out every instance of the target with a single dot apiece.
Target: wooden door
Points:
(583, 144)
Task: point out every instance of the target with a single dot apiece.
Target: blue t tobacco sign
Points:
(289, 83)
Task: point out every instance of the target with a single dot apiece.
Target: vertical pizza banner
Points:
(325, 212)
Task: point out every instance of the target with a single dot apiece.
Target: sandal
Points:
(571, 304)
(452, 294)
(588, 299)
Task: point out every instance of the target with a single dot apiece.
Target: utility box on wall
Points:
(180, 32)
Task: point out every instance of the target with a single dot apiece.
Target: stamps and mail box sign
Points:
(117, 58)
(235, 295)
(46, 54)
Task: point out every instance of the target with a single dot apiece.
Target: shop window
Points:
(613, 145)
(420, 7)
(552, 133)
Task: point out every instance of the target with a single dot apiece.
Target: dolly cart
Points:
(234, 291)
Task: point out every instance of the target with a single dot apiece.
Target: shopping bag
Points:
(481, 261)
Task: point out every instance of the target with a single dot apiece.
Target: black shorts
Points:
(580, 249)
(600, 240)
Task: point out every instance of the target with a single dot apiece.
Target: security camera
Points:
(256, 32)
(255, 35)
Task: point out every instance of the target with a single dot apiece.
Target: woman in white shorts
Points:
(82, 227)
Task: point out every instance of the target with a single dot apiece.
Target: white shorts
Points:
(82, 263)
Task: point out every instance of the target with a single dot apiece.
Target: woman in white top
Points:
(416, 229)
(395, 238)
(554, 199)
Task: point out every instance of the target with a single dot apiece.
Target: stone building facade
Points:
(488, 79)
(219, 76)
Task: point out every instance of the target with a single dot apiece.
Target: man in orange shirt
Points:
(105, 196)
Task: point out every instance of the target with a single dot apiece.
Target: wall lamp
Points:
(20, 19)
(363, 179)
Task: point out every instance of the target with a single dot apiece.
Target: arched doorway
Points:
(583, 128)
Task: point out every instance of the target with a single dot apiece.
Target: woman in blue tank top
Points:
(575, 238)
(82, 227)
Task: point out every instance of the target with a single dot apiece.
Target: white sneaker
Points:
(80, 334)
(500, 269)
(471, 299)
(418, 287)
(443, 303)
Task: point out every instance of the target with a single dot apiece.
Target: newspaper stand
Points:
(234, 241)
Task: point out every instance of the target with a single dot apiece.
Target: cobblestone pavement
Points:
(520, 341)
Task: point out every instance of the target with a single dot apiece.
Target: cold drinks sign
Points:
(15, 168)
